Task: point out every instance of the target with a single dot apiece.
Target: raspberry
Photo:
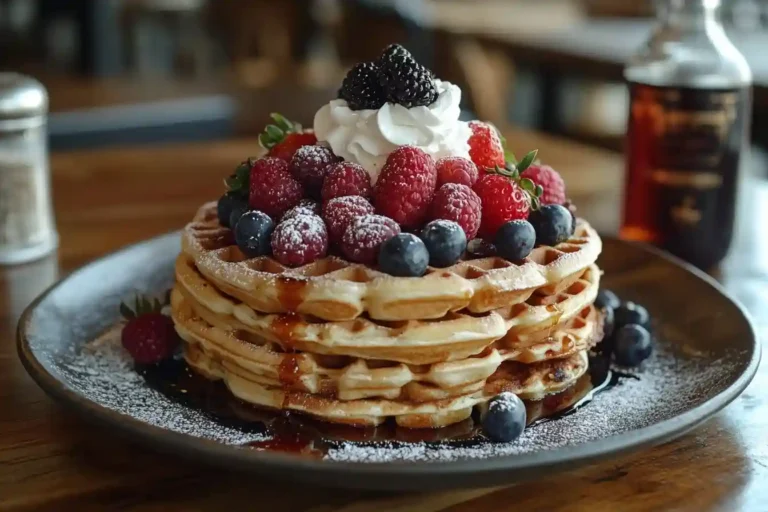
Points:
(305, 207)
(149, 338)
(550, 181)
(361, 88)
(460, 204)
(339, 212)
(364, 236)
(346, 179)
(406, 186)
(455, 169)
(485, 148)
(502, 200)
(309, 165)
(300, 240)
(273, 190)
(292, 142)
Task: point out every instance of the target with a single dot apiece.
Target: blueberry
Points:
(515, 240)
(505, 419)
(225, 205)
(239, 207)
(632, 345)
(631, 313)
(253, 232)
(445, 241)
(404, 255)
(553, 224)
(607, 299)
(609, 322)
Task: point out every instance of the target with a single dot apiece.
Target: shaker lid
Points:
(21, 97)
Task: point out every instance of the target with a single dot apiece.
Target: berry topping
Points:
(553, 224)
(305, 207)
(550, 181)
(364, 236)
(607, 299)
(148, 336)
(309, 165)
(505, 418)
(300, 240)
(361, 88)
(515, 240)
(632, 345)
(480, 248)
(455, 169)
(404, 255)
(238, 210)
(238, 183)
(253, 232)
(405, 81)
(485, 148)
(460, 204)
(446, 242)
(346, 179)
(502, 200)
(339, 213)
(632, 313)
(273, 190)
(406, 186)
(227, 204)
(283, 138)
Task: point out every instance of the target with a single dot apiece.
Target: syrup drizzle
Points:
(298, 434)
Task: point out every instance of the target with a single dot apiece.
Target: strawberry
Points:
(406, 186)
(284, 138)
(550, 181)
(273, 189)
(485, 147)
(148, 336)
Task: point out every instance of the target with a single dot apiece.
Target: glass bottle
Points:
(687, 134)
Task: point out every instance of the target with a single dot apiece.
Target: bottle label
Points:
(684, 151)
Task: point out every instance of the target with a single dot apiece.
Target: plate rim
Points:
(480, 472)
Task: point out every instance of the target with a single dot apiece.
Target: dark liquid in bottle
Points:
(683, 154)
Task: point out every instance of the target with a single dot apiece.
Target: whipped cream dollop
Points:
(368, 136)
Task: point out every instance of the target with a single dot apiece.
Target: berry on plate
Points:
(361, 88)
(273, 189)
(148, 336)
(455, 169)
(339, 212)
(505, 418)
(363, 238)
(283, 138)
(310, 165)
(253, 232)
(515, 240)
(406, 186)
(346, 179)
(502, 200)
(485, 147)
(460, 204)
(553, 224)
(550, 181)
(632, 345)
(305, 207)
(404, 255)
(607, 299)
(403, 80)
(445, 240)
(632, 313)
(300, 240)
(609, 322)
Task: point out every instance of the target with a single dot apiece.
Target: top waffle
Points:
(335, 290)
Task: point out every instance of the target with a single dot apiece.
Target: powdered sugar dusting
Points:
(103, 372)
(300, 240)
(668, 385)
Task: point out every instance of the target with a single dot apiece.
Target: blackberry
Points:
(404, 80)
(361, 88)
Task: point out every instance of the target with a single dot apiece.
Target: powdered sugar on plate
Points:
(103, 372)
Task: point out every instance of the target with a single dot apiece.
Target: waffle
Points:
(455, 336)
(333, 289)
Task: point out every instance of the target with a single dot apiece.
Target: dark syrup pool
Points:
(296, 433)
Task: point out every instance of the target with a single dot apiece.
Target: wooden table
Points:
(52, 459)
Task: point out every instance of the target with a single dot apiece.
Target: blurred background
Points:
(127, 72)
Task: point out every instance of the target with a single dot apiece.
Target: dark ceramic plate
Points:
(706, 355)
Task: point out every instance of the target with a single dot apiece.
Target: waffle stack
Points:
(348, 344)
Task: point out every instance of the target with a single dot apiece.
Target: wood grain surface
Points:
(52, 459)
